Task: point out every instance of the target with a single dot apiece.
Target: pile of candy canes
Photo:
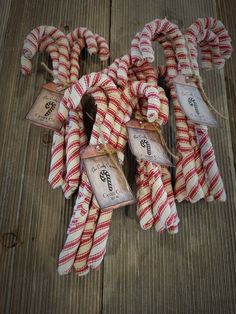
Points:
(128, 89)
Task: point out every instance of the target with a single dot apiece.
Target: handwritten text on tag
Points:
(145, 145)
(193, 104)
(108, 183)
(44, 110)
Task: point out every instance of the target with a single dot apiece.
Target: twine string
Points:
(199, 81)
(50, 72)
(139, 117)
(109, 151)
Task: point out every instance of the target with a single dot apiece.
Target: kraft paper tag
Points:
(109, 183)
(145, 144)
(45, 108)
(192, 103)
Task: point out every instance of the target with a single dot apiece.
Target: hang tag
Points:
(192, 103)
(145, 143)
(45, 108)
(109, 183)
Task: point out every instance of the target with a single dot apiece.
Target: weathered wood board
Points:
(143, 272)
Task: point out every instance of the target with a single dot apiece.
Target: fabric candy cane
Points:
(31, 46)
(122, 70)
(150, 32)
(80, 38)
(56, 44)
(72, 101)
(103, 49)
(153, 206)
(51, 47)
(98, 249)
(120, 73)
(187, 178)
(81, 261)
(214, 53)
(211, 37)
(65, 165)
(157, 30)
(204, 177)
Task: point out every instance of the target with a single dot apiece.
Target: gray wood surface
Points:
(143, 272)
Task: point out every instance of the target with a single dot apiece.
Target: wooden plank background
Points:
(143, 272)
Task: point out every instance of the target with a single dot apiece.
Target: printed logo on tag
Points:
(109, 183)
(44, 110)
(145, 145)
(193, 104)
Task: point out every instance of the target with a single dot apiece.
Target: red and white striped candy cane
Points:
(81, 210)
(54, 42)
(190, 177)
(198, 165)
(76, 48)
(57, 162)
(122, 73)
(173, 219)
(135, 52)
(112, 70)
(217, 189)
(31, 46)
(211, 37)
(162, 27)
(103, 49)
(76, 142)
(149, 172)
(80, 38)
(221, 50)
(100, 238)
(49, 45)
(101, 235)
(58, 152)
(161, 221)
(81, 260)
(77, 139)
(198, 162)
(144, 197)
(101, 103)
(119, 71)
(69, 251)
(152, 31)
(98, 249)
(103, 81)
(161, 208)
(146, 72)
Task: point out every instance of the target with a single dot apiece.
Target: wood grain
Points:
(226, 14)
(143, 272)
(194, 271)
(36, 214)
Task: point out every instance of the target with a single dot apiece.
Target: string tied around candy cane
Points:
(143, 122)
(109, 150)
(196, 77)
(63, 86)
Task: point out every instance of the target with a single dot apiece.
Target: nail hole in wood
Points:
(9, 240)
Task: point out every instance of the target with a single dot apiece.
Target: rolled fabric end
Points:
(69, 189)
(121, 157)
(92, 50)
(84, 272)
(173, 229)
(104, 56)
(148, 56)
(152, 117)
(26, 65)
